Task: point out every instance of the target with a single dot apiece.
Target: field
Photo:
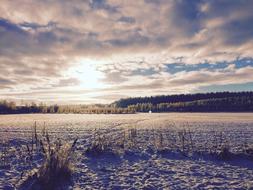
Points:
(137, 151)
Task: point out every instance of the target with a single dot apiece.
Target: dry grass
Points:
(183, 141)
(116, 144)
(4, 155)
(101, 144)
(224, 153)
(56, 169)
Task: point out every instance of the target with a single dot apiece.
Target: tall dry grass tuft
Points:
(4, 155)
(100, 144)
(224, 153)
(132, 137)
(56, 169)
(103, 143)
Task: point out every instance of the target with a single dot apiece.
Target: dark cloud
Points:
(4, 81)
(234, 17)
(126, 19)
(225, 8)
(16, 41)
(237, 32)
(102, 4)
(185, 17)
(8, 26)
(12, 36)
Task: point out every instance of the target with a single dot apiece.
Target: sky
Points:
(97, 51)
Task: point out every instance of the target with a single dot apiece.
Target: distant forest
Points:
(201, 102)
(10, 107)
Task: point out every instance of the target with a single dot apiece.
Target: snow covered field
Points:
(141, 151)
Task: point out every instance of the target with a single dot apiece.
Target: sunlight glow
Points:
(87, 74)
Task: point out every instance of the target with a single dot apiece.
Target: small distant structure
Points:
(150, 111)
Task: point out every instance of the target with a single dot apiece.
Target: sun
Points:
(87, 73)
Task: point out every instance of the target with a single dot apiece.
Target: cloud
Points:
(67, 82)
(135, 45)
(98, 28)
(114, 77)
(5, 83)
(126, 19)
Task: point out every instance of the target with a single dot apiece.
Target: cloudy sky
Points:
(86, 51)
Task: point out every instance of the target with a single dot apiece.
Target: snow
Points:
(152, 158)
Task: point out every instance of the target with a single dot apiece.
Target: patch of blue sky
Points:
(227, 87)
(240, 63)
(144, 72)
(179, 67)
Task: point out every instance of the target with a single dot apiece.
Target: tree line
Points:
(210, 102)
(154, 100)
(201, 102)
(10, 107)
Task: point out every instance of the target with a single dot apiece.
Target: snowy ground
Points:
(168, 151)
